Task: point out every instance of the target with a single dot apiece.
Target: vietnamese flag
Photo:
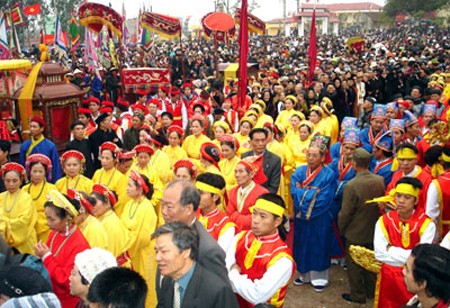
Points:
(34, 9)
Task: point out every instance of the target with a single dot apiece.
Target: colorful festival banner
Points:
(74, 34)
(137, 77)
(16, 16)
(255, 24)
(166, 26)
(4, 48)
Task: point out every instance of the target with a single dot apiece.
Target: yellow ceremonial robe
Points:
(227, 167)
(158, 188)
(284, 117)
(79, 182)
(332, 125)
(117, 232)
(94, 232)
(174, 153)
(18, 217)
(116, 182)
(140, 219)
(244, 142)
(39, 197)
(192, 146)
(160, 161)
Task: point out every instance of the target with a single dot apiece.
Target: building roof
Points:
(349, 6)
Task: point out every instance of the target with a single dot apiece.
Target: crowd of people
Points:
(186, 195)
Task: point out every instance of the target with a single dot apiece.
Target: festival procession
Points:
(230, 161)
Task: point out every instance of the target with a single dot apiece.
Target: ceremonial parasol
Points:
(219, 26)
(355, 43)
(95, 16)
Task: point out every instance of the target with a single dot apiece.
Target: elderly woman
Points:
(174, 150)
(140, 219)
(110, 176)
(63, 244)
(72, 162)
(185, 170)
(103, 201)
(17, 213)
(193, 142)
(39, 169)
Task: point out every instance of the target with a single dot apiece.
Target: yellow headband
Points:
(208, 188)
(406, 153)
(268, 207)
(407, 189)
(445, 158)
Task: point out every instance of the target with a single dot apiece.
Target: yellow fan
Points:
(365, 258)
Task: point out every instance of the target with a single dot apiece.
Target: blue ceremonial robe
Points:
(384, 171)
(338, 248)
(364, 138)
(313, 222)
(335, 150)
(47, 148)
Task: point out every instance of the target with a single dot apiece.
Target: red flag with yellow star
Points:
(34, 9)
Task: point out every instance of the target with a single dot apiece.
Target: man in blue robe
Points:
(383, 157)
(313, 187)
(375, 130)
(39, 144)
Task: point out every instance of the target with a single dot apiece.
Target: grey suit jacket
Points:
(205, 290)
(210, 255)
(272, 169)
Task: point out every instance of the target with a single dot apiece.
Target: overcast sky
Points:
(268, 9)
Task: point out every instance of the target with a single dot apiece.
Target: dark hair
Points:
(76, 123)
(75, 202)
(212, 179)
(5, 145)
(183, 236)
(407, 146)
(118, 287)
(277, 200)
(60, 212)
(432, 265)
(141, 117)
(200, 122)
(432, 155)
(189, 193)
(317, 112)
(150, 192)
(98, 196)
(256, 131)
(304, 125)
(229, 143)
(167, 114)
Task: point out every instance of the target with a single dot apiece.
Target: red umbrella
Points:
(219, 26)
(95, 16)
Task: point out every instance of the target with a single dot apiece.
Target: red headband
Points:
(135, 176)
(176, 128)
(72, 153)
(14, 167)
(185, 163)
(73, 194)
(104, 190)
(144, 148)
(34, 158)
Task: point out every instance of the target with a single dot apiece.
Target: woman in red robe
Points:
(64, 243)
